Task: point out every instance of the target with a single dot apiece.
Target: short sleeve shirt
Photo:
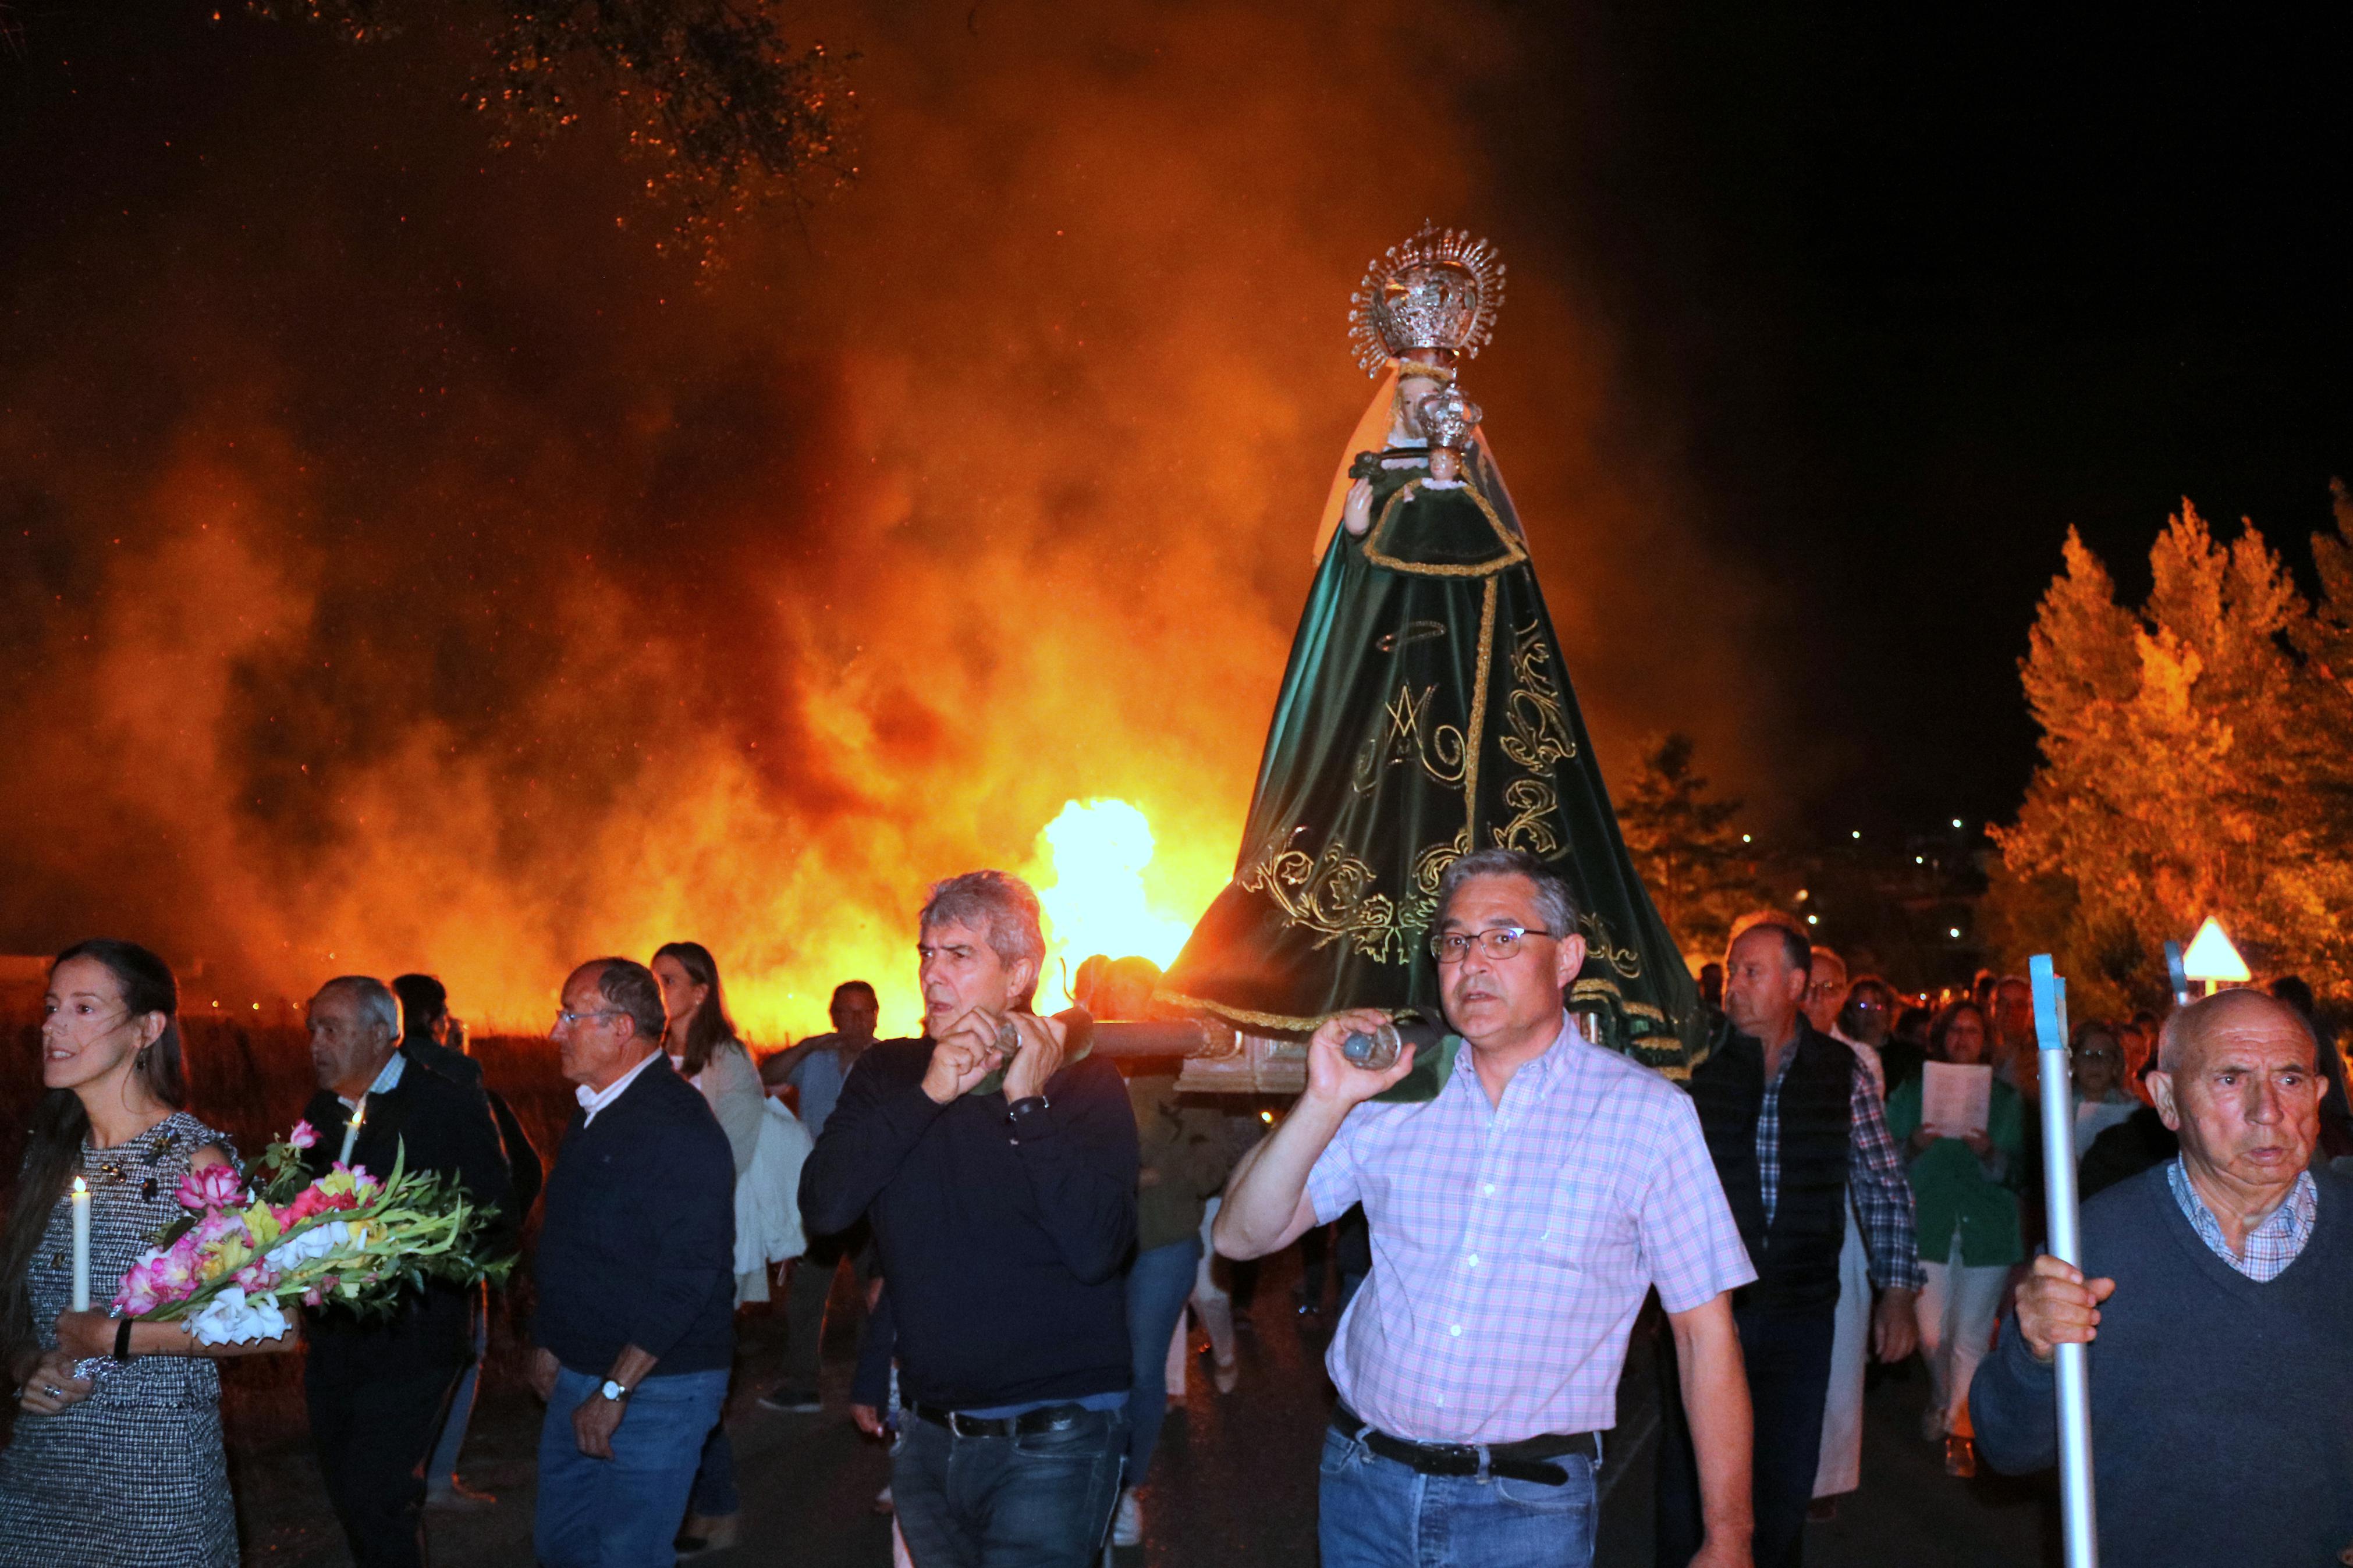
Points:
(1513, 1243)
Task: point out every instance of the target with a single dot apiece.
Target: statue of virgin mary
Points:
(1425, 712)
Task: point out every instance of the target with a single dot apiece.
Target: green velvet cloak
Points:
(1425, 711)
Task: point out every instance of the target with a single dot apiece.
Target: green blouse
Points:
(1950, 1188)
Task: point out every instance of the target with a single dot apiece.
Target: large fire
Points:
(420, 574)
(1096, 901)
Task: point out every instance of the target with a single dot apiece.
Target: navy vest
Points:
(1796, 1256)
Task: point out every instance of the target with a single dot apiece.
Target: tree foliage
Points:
(723, 112)
(1699, 875)
(2193, 763)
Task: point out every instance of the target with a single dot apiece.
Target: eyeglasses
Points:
(566, 1017)
(1502, 941)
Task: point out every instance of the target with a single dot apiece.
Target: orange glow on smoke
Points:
(485, 612)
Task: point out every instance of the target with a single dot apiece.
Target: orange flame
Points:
(1098, 850)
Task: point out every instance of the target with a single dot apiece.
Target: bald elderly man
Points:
(2221, 1360)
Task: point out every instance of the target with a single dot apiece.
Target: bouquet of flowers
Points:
(246, 1250)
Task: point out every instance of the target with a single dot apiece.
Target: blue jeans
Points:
(1157, 1285)
(622, 1512)
(1373, 1512)
(1038, 1501)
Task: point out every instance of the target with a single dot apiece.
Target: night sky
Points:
(1913, 289)
(349, 464)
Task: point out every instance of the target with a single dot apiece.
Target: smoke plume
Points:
(407, 567)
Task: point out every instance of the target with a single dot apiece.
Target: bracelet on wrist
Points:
(123, 1340)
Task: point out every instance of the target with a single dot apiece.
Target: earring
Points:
(140, 1061)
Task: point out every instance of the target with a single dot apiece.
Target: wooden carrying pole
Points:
(2078, 1514)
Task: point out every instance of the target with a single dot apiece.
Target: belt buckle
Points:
(963, 1425)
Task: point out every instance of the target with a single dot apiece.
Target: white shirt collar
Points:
(388, 1079)
(593, 1102)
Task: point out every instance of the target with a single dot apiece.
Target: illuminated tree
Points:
(2193, 763)
(1699, 874)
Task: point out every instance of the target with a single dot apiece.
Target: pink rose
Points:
(303, 1135)
(212, 1187)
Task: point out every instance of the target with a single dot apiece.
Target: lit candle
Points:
(352, 1132)
(81, 1245)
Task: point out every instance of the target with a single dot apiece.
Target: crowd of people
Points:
(1029, 1225)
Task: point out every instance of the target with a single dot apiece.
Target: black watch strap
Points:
(1026, 1116)
(123, 1340)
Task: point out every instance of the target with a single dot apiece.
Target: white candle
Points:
(351, 1130)
(81, 1245)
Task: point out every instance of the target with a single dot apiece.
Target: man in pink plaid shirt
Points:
(1518, 1220)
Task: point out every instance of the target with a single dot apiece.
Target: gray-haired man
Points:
(1000, 1180)
(377, 1389)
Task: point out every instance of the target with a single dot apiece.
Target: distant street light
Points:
(2212, 960)
(1814, 919)
(1954, 931)
(1957, 822)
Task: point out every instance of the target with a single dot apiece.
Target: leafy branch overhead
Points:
(724, 112)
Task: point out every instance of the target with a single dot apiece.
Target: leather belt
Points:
(1521, 1462)
(1029, 1422)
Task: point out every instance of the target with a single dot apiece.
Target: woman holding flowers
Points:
(122, 1467)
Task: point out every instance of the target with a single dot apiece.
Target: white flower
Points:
(229, 1319)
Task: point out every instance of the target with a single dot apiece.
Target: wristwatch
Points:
(613, 1390)
(1022, 1113)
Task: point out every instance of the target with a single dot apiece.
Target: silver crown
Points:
(1448, 417)
(1438, 291)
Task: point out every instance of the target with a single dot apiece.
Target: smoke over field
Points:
(404, 566)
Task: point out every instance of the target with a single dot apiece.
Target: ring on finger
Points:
(53, 1391)
(1008, 1038)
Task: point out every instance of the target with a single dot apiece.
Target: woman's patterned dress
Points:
(133, 1477)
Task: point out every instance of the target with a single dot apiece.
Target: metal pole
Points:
(2076, 1511)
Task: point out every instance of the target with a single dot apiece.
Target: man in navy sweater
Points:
(1001, 1186)
(635, 1326)
(2221, 1375)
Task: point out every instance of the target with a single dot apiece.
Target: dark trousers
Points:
(1036, 1501)
(1789, 1360)
(805, 1296)
(376, 1412)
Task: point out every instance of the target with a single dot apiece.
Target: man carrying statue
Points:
(1518, 1220)
(1430, 830)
